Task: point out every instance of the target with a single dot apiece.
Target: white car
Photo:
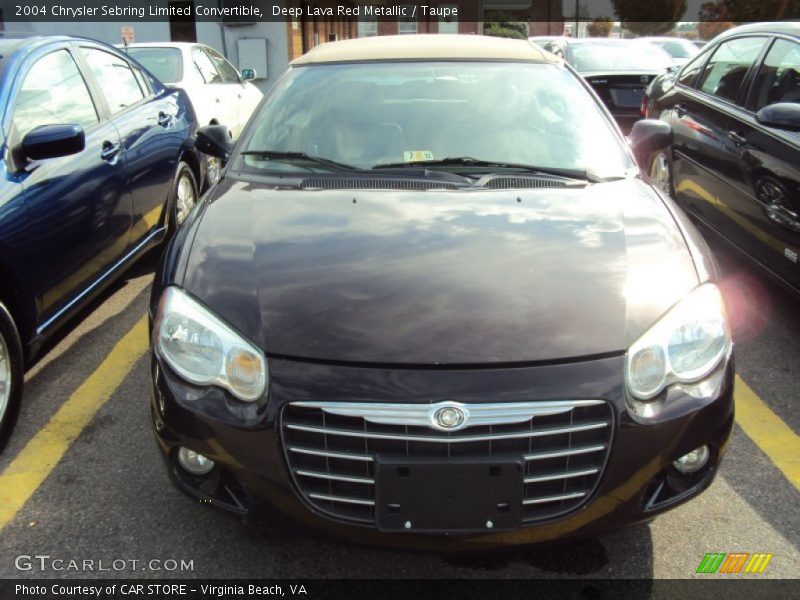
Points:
(220, 94)
(680, 49)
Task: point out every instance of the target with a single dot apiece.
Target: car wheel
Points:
(184, 196)
(213, 170)
(776, 203)
(11, 374)
(661, 172)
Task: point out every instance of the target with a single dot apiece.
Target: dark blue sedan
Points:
(97, 167)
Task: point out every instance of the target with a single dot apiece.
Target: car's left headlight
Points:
(204, 350)
(684, 346)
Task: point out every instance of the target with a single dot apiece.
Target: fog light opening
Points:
(158, 422)
(693, 461)
(194, 462)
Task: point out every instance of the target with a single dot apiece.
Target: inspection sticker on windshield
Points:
(417, 155)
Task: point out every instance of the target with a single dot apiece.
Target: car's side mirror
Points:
(248, 74)
(52, 141)
(648, 136)
(781, 115)
(214, 140)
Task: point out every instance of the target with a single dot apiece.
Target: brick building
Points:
(285, 39)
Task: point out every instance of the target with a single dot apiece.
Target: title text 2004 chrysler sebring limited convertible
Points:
(432, 295)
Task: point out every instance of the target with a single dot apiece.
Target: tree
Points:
(746, 11)
(715, 17)
(600, 27)
(502, 24)
(710, 29)
(648, 17)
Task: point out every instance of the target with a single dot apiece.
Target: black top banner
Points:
(254, 11)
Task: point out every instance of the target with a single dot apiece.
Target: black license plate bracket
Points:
(448, 495)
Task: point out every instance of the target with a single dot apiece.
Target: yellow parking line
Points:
(28, 470)
(768, 431)
(39, 457)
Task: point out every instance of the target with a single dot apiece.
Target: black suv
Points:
(735, 160)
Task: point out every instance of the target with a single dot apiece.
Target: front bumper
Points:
(636, 483)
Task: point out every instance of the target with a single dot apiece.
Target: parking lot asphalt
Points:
(99, 491)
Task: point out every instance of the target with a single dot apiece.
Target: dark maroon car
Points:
(414, 315)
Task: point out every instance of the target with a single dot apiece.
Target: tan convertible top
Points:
(425, 46)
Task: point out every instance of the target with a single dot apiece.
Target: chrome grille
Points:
(331, 449)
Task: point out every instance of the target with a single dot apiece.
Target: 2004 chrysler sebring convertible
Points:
(432, 303)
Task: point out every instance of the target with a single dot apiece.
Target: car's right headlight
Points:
(684, 346)
(204, 350)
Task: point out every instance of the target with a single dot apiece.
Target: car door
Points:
(220, 92)
(147, 126)
(705, 118)
(78, 205)
(236, 90)
(769, 166)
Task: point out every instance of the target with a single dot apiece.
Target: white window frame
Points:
(452, 23)
(368, 27)
(410, 26)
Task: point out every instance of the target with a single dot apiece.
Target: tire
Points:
(660, 172)
(184, 196)
(11, 375)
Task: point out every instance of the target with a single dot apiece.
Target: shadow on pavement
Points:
(58, 372)
(766, 335)
(145, 266)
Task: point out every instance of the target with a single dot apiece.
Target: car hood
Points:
(439, 277)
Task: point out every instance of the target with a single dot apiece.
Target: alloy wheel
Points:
(770, 194)
(186, 199)
(659, 172)
(777, 205)
(5, 377)
(213, 170)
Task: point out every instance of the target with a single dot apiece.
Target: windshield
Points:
(370, 114)
(678, 48)
(164, 63)
(586, 57)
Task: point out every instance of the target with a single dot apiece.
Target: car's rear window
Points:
(610, 57)
(164, 63)
(679, 48)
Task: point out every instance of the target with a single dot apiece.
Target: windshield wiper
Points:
(298, 156)
(468, 161)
